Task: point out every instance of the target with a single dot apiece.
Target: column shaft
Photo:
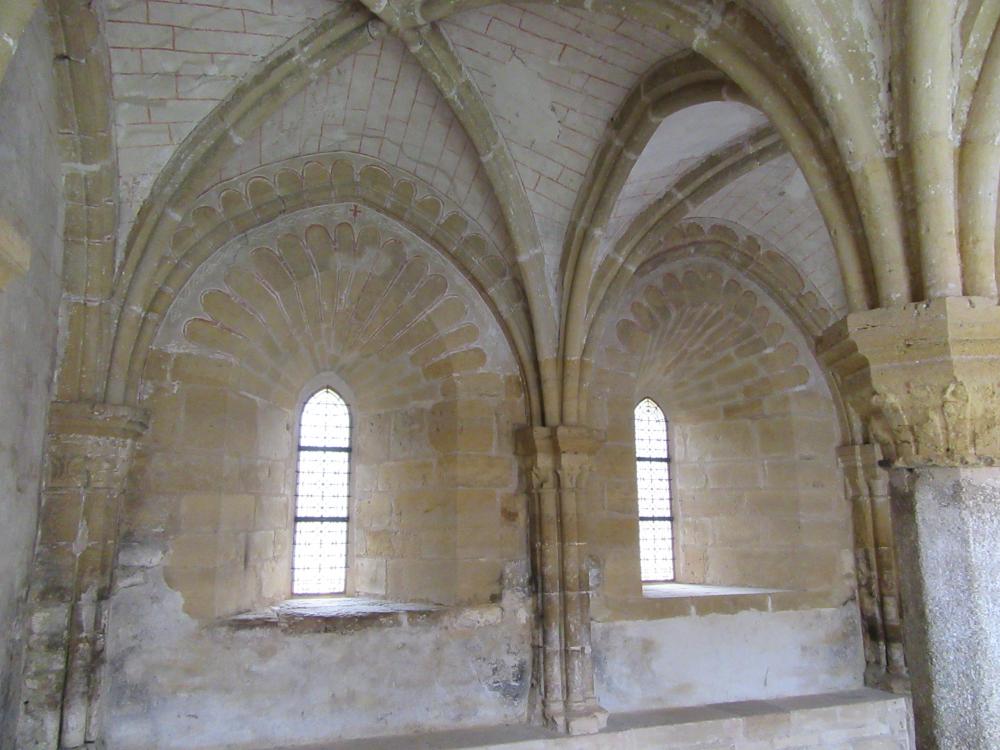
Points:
(557, 459)
(948, 536)
(87, 463)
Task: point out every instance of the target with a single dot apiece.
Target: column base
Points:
(586, 719)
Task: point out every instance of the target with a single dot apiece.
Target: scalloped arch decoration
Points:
(793, 291)
(350, 301)
(714, 341)
(237, 206)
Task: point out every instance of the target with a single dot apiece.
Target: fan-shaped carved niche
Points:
(750, 418)
(258, 197)
(705, 338)
(372, 307)
(351, 301)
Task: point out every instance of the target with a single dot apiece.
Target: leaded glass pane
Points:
(326, 421)
(652, 473)
(319, 554)
(656, 550)
(650, 431)
(319, 561)
(653, 481)
(323, 482)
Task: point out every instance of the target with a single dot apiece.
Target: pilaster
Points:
(88, 459)
(867, 486)
(558, 459)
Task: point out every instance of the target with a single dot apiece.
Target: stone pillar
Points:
(925, 379)
(867, 486)
(558, 459)
(88, 458)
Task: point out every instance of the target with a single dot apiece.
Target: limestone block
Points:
(734, 474)
(423, 580)
(776, 437)
(455, 426)
(197, 587)
(721, 440)
(477, 470)
(620, 496)
(479, 507)
(428, 508)
(406, 474)
(271, 512)
(610, 531)
(199, 369)
(479, 580)
(259, 476)
(260, 545)
(770, 501)
(206, 550)
(375, 510)
(481, 385)
(241, 423)
(204, 426)
(370, 576)
(60, 518)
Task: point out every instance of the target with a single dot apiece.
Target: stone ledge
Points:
(350, 614)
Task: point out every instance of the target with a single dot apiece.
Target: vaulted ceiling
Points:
(551, 80)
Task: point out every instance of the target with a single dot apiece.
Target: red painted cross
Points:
(355, 211)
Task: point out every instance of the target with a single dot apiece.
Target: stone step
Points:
(862, 719)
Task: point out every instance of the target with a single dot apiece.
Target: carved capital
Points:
(924, 378)
(558, 456)
(860, 466)
(90, 445)
(97, 419)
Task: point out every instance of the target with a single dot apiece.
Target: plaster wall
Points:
(719, 658)
(30, 213)
(181, 685)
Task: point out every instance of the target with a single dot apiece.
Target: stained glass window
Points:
(652, 470)
(319, 550)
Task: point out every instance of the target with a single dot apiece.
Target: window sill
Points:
(349, 613)
(666, 600)
(673, 590)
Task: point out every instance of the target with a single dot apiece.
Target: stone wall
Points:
(757, 493)
(437, 503)
(434, 485)
(31, 217)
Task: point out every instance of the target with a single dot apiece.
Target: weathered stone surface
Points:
(31, 263)
(947, 526)
(923, 377)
